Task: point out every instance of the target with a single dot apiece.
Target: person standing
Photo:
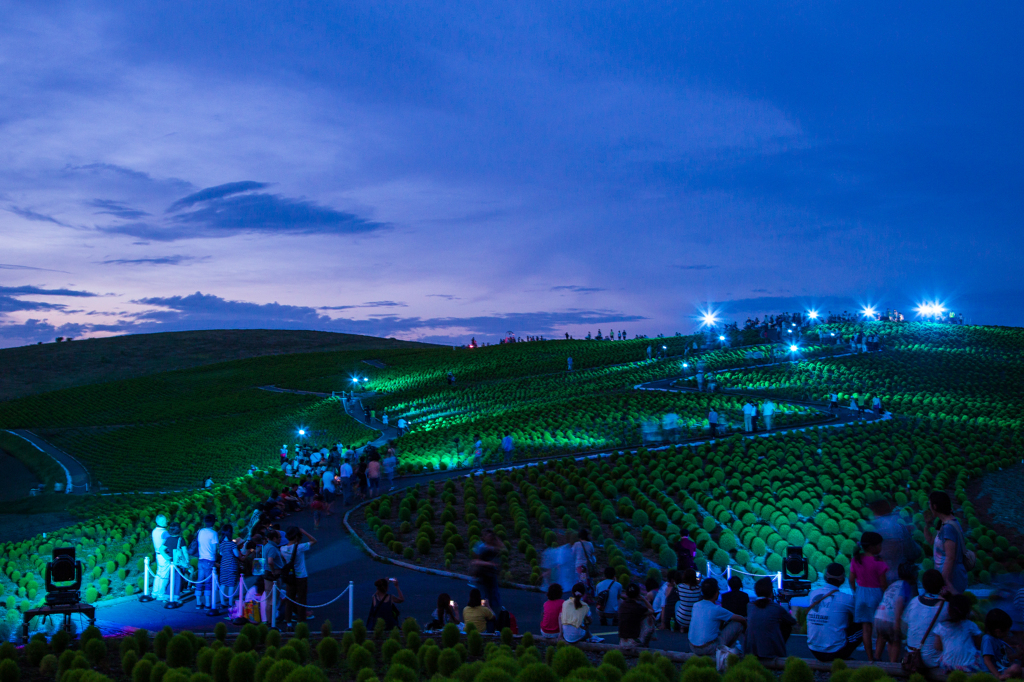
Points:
(700, 381)
(163, 559)
(748, 417)
(583, 555)
(833, 402)
(345, 482)
(328, 485)
(207, 542)
(867, 579)
(228, 568)
(569, 360)
(768, 411)
(898, 545)
(373, 474)
(876, 405)
(507, 446)
(390, 464)
(486, 566)
(174, 545)
(295, 576)
(609, 593)
(402, 425)
(478, 451)
(713, 421)
(948, 550)
(686, 550)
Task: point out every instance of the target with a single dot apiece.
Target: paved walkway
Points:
(77, 475)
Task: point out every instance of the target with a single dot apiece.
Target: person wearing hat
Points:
(831, 631)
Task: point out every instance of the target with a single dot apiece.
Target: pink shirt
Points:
(373, 469)
(549, 619)
(869, 571)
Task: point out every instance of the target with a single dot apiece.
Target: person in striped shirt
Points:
(689, 594)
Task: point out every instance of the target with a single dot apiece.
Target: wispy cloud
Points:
(447, 297)
(9, 304)
(218, 192)
(118, 209)
(10, 266)
(164, 260)
(695, 267)
(577, 289)
(29, 214)
(38, 291)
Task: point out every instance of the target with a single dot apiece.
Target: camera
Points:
(63, 568)
(795, 574)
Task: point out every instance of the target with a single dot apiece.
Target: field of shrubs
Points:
(744, 500)
(258, 654)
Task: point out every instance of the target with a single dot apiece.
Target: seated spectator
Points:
(736, 599)
(383, 604)
(889, 613)
(958, 639)
(668, 613)
(609, 592)
(656, 595)
(831, 632)
(447, 611)
(920, 614)
(258, 594)
(575, 617)
(476, 613)
(768, 624)
(636, 619)
(995, 649)
(711, 626)
(689, 594)
(552, 610)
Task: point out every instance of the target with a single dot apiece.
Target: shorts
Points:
(866, 603)
(203, 583)
(887, 630)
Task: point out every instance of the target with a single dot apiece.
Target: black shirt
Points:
(631, 618)
(736, 601)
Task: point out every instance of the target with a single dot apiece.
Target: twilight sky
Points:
(439, 170)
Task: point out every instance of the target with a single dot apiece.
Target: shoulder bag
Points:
(912, 661)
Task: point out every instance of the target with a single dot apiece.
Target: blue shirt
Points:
(996, 648)
(506, 443)
(764, 629)
(706, 622)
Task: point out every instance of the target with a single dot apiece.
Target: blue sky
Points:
(440, 170)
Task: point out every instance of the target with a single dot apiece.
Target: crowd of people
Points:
(326, 474)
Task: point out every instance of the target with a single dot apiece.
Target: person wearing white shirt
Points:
(402, 425)
(294, 554)
(328, 480)
(831, 632)
(345, 482)
(713, 422)
(207, 541)
(163, 560)
(767, 411)
(315, 457)
(748, 417)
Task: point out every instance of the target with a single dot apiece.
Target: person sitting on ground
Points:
(447, 611)
(383, 604)
(958, 639)
(711, 626)
(736, 599)
(867, 579)
(668, 605)
(551, 611)
(609, 593)
(689, 594)
(920, 614)
(656, 594)
(575, 617)
(636, 619)
(476, 612)
(996, 652)
(769, 625)
(831, 632)
(889, 613)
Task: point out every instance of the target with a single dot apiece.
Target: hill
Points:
(28, 370)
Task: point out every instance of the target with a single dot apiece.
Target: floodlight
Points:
(685, 365)
(792, 349)
(355, 380)
(664, 347)
(721, 338)
(789, 331)
(832, 334)
(302, 432)
(869, 311)
(813, 314)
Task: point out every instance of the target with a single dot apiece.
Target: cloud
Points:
(230, 209)
(117, 209)
(34, 331)
(165, 260)
(9, 266)
(33, 215)
(760, 291)
(218, 192)
(371, 304)
(9, 304)
(447, 297)
(36, 291)
(695, 267)
(778, 304)
(577, 289)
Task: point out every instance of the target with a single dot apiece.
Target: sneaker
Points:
(310, 616)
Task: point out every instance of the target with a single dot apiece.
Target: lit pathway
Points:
(77, 475)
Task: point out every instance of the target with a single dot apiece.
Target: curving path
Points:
(78, 479)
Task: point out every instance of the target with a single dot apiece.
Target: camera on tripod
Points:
(63, 568)
(795, 574)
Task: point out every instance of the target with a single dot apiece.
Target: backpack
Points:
(506, 620)
(602, 599)
(193, 547)
(288, 572)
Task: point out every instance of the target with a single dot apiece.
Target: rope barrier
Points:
(194, 582)
(307, 606)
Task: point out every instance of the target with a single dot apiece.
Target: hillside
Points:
(49, 367)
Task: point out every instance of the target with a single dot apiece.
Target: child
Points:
(608, 592)
(867, 579)
(549, 623)
(736, 599)
(994, 650)
(319, 507)
(889, 614)
(958, 638)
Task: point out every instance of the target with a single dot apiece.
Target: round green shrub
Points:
(242, 667)
(128, 661)
(567, 659)
(401, 673)
(48, 666)
(9, 671)
(142, 671)
(328, 652)
(448, 662)
(179, 652)
(222, 664)
(34, 651)
(359, 658)
(96, 651)
(282, 669)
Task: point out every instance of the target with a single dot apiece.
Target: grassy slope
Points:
(36, 369)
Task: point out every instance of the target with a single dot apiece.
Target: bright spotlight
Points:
(365, 380)
(302, 432)
(685, 365)
(869, 312)
(355, 380)
(789, 331)
(721, 338)
(813, 314)
(792, 349)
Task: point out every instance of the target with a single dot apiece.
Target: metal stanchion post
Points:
(172, 602)
(145, 581)
(351, 602)
(214, 592)
(273, 606)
